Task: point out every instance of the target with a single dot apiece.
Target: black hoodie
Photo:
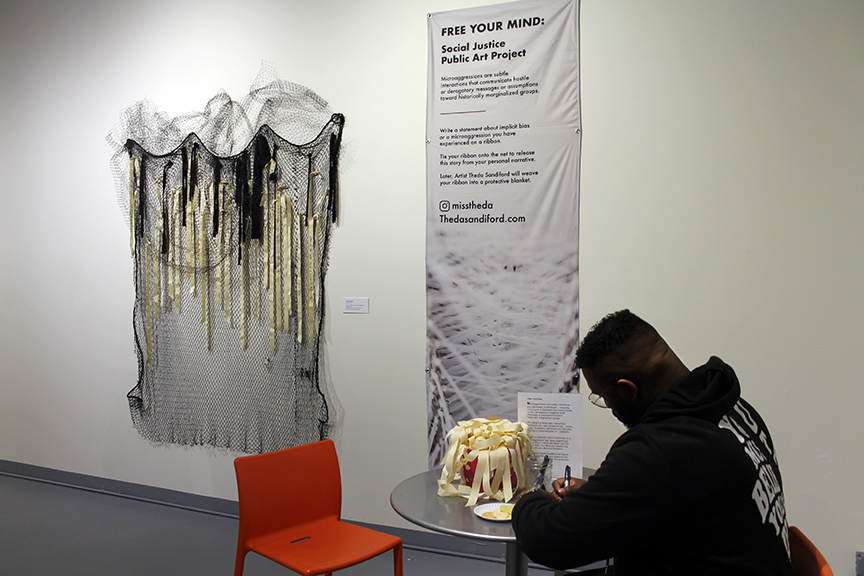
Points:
(693, 489)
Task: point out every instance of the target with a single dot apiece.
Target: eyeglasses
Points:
(598, 399)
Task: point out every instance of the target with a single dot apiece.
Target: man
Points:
(691, 488)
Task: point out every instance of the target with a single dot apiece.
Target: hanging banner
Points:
(503, 134)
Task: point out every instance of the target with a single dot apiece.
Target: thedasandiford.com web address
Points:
(480, 219)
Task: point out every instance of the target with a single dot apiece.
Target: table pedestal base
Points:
(516, 562)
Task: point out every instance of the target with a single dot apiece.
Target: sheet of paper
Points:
(555, 423)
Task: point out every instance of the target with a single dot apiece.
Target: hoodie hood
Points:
(707, 393)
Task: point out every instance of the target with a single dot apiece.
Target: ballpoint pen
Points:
(566, 476)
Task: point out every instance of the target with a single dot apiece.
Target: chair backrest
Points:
(288, 487)
(806, 558)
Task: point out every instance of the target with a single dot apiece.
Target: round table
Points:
(416, 499)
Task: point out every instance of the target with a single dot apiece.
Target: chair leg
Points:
(397, 560)
(239, 561)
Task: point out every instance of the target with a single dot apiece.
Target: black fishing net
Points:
(230, 212)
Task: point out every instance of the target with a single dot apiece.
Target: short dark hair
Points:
(613, 334)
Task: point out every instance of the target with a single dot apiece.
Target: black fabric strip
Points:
(241, 195)
(142, 199)
(166, 238)
(184, 191)
(335, 147)
(217, 204)
(193, 172)
(256, 212)
(309, 187)
(333, 193)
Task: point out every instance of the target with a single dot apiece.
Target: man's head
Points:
(625, 360)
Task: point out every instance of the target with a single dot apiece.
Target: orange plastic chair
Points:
(290, 510)
(806, 558)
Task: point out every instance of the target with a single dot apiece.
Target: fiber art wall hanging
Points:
(230, 212)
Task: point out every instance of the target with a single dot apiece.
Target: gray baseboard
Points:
(413, 539)
(141, 492)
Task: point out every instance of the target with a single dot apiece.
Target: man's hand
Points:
(559, 490)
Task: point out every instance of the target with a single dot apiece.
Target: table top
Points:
(416, 499)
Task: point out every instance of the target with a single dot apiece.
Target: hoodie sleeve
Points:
(620, 509)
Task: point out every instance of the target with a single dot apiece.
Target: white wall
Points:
(722, 199)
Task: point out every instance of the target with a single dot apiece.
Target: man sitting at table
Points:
(692, 487)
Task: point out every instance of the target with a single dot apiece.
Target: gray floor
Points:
(48, 529)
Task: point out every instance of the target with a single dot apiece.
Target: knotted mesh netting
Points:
(230, 212)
